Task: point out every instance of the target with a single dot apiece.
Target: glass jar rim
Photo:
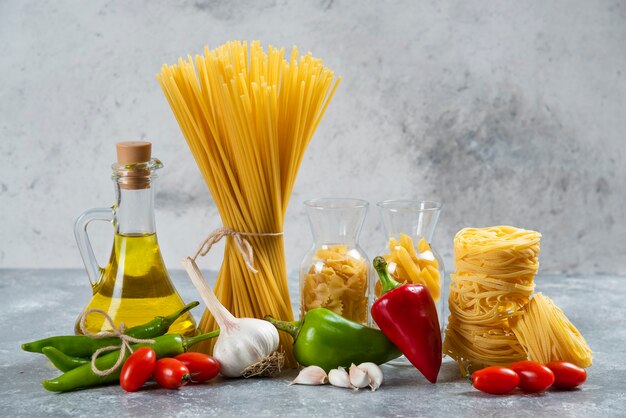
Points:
(336, 203)
(410, 205)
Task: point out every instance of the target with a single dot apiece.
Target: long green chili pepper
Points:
(61, 360)
(83, 377)
(84, 346)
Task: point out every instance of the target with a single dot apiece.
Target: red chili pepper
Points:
(407, 315)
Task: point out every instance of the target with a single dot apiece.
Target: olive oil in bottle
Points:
(134, 287)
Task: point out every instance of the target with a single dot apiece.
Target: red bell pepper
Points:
(407, 315)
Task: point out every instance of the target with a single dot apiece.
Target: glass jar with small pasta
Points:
(409, 226)
(334, 274)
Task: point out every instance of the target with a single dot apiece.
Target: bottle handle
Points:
(94, 271)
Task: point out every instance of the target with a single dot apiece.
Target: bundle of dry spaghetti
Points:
(248, 117)
(494, 278)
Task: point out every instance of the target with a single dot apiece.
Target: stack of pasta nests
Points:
(491, 321)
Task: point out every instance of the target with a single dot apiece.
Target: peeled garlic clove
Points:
(312, 375)
(339, 377)
(358, 377)
(374, 373)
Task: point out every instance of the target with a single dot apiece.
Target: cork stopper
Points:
(133, 152)
(129, 153)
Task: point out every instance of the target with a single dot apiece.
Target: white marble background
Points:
(510, 112)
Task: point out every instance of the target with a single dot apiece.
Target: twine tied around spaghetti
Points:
(243, 245)
(116, 332)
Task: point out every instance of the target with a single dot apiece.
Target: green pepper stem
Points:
(380, 265)
(293, 327)
(174, 316)
(189, 341)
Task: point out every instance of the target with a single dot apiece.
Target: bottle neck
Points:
(134, 212)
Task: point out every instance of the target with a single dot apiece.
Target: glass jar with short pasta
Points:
(409, 226)
(334, 274)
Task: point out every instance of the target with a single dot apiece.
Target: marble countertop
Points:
(40, 303)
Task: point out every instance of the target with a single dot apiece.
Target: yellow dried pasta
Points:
(494, 278)
(409, 266)
(547, 335)
(337, 280)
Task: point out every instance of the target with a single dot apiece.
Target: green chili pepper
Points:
(328, 340)
(83, 377)
(85, 346)
(61, 360)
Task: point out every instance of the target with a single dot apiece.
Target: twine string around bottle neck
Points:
(124, 346)
(243, 245)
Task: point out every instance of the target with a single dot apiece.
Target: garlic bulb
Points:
(242, 341)
(312, 375)
(340, 378)
(374, 374)
(358, 377)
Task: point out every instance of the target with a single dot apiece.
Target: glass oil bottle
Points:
(135, 286)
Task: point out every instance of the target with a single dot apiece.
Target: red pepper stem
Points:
(293, 327)
(380, 265)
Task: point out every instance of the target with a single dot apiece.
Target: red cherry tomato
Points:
(201, 366)
(137, 369)
(533, 377)
(171, 373)
(496, 380)
(567, 375)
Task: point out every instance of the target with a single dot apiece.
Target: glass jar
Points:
(334, 274)
(409, 226)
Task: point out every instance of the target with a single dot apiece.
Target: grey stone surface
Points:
(40, 303)
(510, 112)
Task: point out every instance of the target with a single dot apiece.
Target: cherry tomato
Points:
(201, 366)
(137, 369)
(533, 377)
(496, 380)
(171, 373)
(567, 375)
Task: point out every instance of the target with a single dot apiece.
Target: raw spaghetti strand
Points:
(248, 117)
(547, 335)
(494, 278)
